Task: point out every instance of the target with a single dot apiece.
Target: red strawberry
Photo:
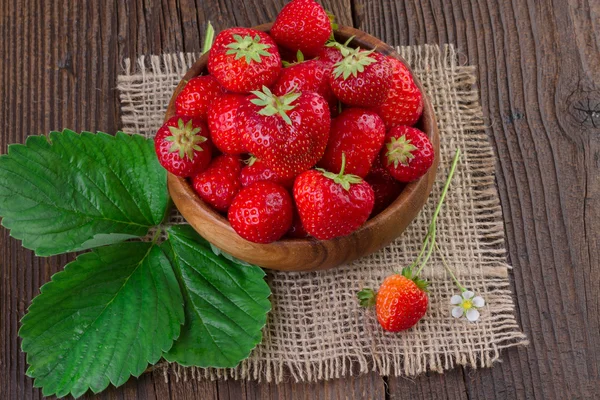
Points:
(307, 76)
(404, 103)
(330, 55)
(288, 133)
(222, 122)
(362, 78)
(261, 212)
(357, 133)
(385, 187)
(302, 25)
(197, 95)
(332, 205)
(297, 230)
(256, 171)
(219, 184)
(407, 153)
(244, 59)
(400, 303)
(182, 146)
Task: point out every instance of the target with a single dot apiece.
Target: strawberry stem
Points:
(345, 180)
(429, 241)
(209, 38)
(461, 287)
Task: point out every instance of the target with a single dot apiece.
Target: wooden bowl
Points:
(310, 254)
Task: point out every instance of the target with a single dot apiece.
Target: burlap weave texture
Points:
(316, 329)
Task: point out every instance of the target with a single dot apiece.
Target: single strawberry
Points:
(407, 153)
(362, 78)
(222, 122)
(404, 104)
(288, 133)
(256, 171)
(244, 59)
(357, 133)
(332, 205)
(220, 182)
(182, 146)
(302, 25)
(197, 95)
(400, 302)
(261, 212)
(330, 55)
(306, 76)
(297, 230)
(385, 188)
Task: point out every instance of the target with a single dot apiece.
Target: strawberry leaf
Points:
(226, 304)
(109, 314)
(71, 192)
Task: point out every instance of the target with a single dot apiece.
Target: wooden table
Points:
(539, 75)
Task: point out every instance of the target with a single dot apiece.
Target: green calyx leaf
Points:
(354, 62)
(346, 180)
(226, 303)
(275, 105)
(250, 161)
(185, 139)
(400, 151)
(334, 25)
(299, 59)
(72, 192)
(248, 47)
(422, 284)
(367, 298)
(109, 314)
(209, 38)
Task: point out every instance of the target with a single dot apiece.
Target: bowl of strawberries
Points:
(299, 145)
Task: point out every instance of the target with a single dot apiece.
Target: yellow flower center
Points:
(467, 304)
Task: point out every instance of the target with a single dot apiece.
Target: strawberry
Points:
(256, 171)
(404, 103)
(332, 205)
(182, 146)
(196, 96)
(220, 182)
(400, 303)
(306, 76)
(330, 55)
(297, 230)
(261, 212)
(357, 133)
(302, 25)
(362, 78)
(244, 59)
(407, 153)
(288, 133)
(385, 187)
(222, 122)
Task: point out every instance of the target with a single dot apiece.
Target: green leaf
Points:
(226, 304)
(104, 318)
(71, 192)
(228, 256)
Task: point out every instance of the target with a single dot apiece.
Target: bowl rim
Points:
(408, 195)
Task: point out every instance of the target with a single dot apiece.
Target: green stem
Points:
(461, 287)
(209, 37)
(429, 241)
(157, 235)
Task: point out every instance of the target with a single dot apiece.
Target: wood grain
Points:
(539, 80)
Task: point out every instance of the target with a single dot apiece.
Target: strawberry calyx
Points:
(400, 151)
(185, 139)
(353, 63)
(273, 105)
(422, 284)
(250, 160)
(345, 180)
(248, 47)
(299, 59)
(367, 297)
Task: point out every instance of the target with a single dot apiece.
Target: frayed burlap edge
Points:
(458, 111)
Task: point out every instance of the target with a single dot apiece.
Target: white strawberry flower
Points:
(467, 304)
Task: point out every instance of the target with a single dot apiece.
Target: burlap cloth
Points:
(316, 329)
